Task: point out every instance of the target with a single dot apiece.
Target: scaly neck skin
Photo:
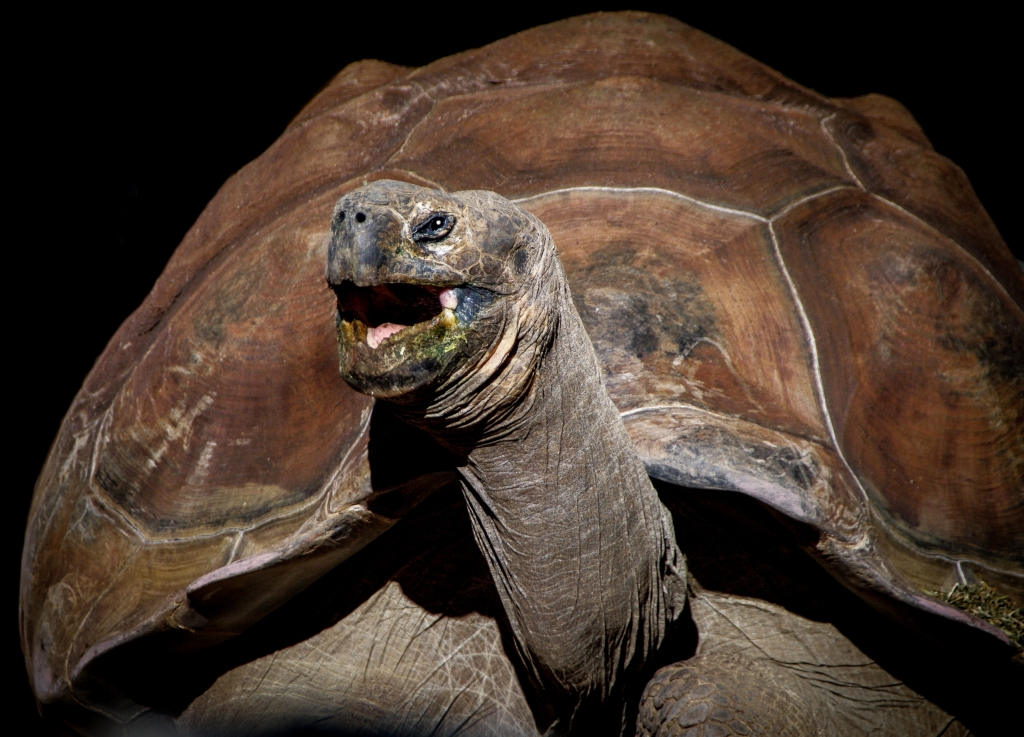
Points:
(580, 547)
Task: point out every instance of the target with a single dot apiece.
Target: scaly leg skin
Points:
(719, 696)
(763, 670)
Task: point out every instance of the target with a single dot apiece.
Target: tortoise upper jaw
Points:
(373, 245)
(362, 246)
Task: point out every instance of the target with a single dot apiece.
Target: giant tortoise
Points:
(789, 297)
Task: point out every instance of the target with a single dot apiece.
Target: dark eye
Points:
(434, 228)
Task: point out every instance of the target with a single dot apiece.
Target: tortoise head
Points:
(428, 283)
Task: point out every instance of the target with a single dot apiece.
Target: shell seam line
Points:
(959, 562)
(81, 625)
(785, 210)
(95, 496)
(333, 111)
(656, 190)
(971, 256)
(51, 512)
(525, 87)
(239, 536)
(693, 200)
(410, 172)
(225, 532)
(900, 538)
(313, 500)
(318, 499)
(820, 102)
(102, 426)
(333, 482)
(819, 386)
(412, 130)
(846, 163)
(842, 151)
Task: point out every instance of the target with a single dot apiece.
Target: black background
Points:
(122, 127)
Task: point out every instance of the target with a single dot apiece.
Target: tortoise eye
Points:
(434, 228)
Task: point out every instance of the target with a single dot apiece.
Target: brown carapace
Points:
(792, 297)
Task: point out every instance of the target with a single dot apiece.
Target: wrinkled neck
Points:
(493, 397)
(580, 547)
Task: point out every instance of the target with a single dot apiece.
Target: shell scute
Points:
(654, 276)
(929, 186)
(717, 148)
(915, 345)
(223, 423)
(603, 45)
(354, 80)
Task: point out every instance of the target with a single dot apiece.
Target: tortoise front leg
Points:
(763, 670)
(720, 695)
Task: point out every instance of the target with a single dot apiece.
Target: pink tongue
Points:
(376, 336)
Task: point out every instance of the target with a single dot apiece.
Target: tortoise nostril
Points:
(360, 217)
(341, 216)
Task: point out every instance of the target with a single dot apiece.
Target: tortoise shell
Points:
(792, 297)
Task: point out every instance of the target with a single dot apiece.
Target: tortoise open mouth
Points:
(393, 338)
(380, 312)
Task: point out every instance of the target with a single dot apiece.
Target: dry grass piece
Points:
(984, 602)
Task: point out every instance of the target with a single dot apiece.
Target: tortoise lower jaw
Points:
(401, 362)
(394, 338)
